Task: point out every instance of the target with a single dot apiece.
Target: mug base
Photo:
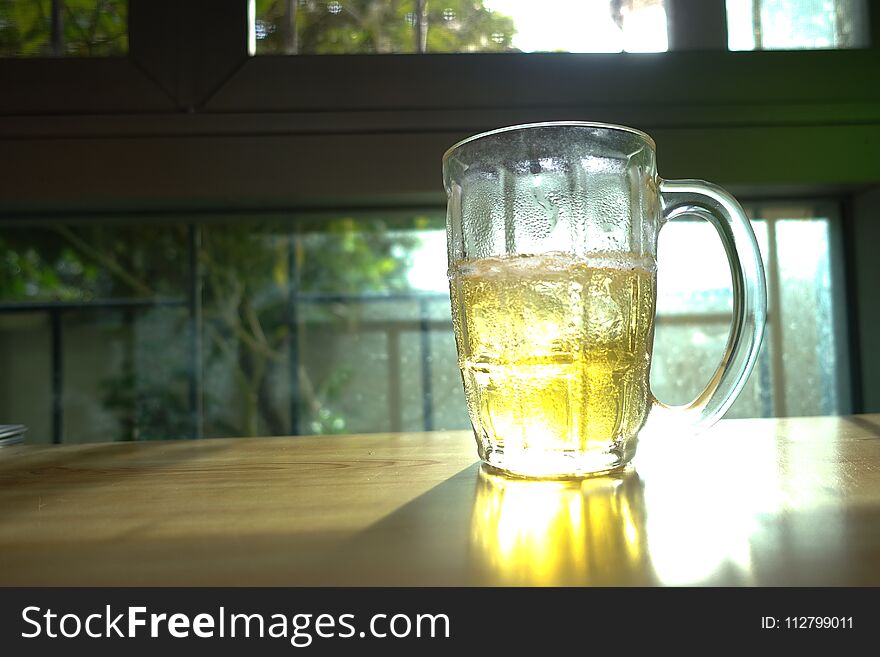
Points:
(562, 464)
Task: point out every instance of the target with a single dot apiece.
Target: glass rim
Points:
(551, 124)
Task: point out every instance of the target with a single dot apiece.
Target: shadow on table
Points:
(30, 477)
(869, 425)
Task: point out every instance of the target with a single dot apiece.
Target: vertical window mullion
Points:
(697, 24)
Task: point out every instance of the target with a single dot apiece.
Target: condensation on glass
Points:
(796, 24)
(326, 27)
(64, 28)
(103, 316)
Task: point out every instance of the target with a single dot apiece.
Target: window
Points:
(340, 324)
(64, 28)
(795, 24)
(318, 27)
(416, 26)
(318, 325)
(223, 325)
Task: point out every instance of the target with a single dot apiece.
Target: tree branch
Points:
(108, 262)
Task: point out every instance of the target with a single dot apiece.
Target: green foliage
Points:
(466, 26)
(382, 26)
(348, 256)
(26, 275)
(89, 28)
(24, 27)
(58, 262)
(324, 419)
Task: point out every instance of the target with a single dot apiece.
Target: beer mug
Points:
(552, 244)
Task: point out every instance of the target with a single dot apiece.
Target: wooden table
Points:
(752, 502)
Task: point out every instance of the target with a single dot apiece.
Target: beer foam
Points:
(552, 262)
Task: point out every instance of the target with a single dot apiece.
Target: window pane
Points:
(318, 27)
(321, 326)
(26, 387)
(796, 24)
(126, 373)
(807, 316)
(70, 28)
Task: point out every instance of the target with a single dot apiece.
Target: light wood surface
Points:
(751, 502)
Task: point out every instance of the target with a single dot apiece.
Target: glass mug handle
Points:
(698, 198)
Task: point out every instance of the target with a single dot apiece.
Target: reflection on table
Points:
(551, 533)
